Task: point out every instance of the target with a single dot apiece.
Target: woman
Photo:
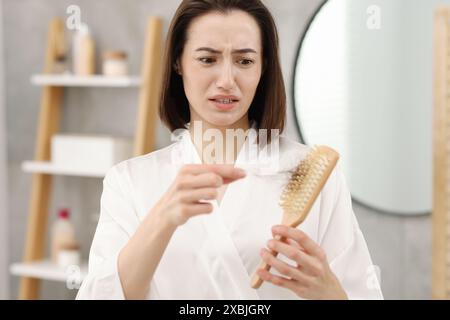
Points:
(191, 221)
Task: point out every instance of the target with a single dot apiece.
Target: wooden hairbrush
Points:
(297, 198)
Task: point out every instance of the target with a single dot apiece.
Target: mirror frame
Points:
(301, 135)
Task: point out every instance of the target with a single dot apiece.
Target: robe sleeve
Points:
(117, 222)
(346, 248)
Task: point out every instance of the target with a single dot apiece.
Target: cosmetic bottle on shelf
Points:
(83, 52)
(63, 234)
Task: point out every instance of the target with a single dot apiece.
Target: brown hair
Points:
(268, 107)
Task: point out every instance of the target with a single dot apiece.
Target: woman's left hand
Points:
(312, 278)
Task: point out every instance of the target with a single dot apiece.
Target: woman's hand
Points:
(312, 277)
(194, 183)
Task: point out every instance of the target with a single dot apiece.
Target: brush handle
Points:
(256, 281)
(332, 158)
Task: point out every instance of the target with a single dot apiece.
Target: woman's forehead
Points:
(237, 29)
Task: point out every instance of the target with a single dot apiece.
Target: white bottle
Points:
(83, 52)
(63, 234)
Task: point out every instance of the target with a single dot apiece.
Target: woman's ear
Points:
(177, 68)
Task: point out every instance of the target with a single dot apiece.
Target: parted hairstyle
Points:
(268, 107)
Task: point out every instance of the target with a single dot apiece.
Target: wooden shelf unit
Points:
(50, 168)
(68, 80)
(46, 270)
(441, 156)
(34, 266)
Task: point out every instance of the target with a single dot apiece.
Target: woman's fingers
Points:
(196, 182)
(204, 180)
(195, 195)
(284, 268)
(290, 284)
(302, 239)
(308, 264)
(290, 242)
(293, 243)
(228, 173)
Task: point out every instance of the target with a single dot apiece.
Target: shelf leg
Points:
(48, 124)
(145, 139)
(441, 213)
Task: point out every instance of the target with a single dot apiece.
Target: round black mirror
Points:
(358, 87)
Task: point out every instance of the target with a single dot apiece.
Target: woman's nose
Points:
(226, 78)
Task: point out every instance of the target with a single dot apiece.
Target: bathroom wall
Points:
(400, 246)
(4, 252)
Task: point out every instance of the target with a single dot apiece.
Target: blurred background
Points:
(368, 77)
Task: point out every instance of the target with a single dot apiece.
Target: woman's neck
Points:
(219, 145)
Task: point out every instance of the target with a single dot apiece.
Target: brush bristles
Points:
(303, 182)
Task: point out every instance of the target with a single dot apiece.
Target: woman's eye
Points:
(246, 62)
(206, 60)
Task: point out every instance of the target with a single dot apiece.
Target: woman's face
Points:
(222, 56)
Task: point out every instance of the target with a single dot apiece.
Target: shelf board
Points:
(68, 80)
(51, 168)
(45, 269)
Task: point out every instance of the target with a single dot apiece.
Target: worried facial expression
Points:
(221, 67)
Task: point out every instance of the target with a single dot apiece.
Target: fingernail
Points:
(241, 173)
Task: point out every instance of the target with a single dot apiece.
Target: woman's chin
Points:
(219, 118)
(223, 120)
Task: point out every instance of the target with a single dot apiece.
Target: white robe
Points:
(214, 256)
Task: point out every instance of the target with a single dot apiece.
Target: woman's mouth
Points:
(224, 104)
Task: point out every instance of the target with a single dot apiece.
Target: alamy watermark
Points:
(73, 21)
(220, 147)
(373, 21)
(373, 273)
(73, 277)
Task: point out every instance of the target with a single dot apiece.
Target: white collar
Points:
(260, 160)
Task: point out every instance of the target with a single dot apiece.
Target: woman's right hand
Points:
(194, 183)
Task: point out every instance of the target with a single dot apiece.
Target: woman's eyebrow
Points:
(211, 50)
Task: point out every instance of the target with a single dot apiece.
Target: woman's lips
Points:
(224, 106)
